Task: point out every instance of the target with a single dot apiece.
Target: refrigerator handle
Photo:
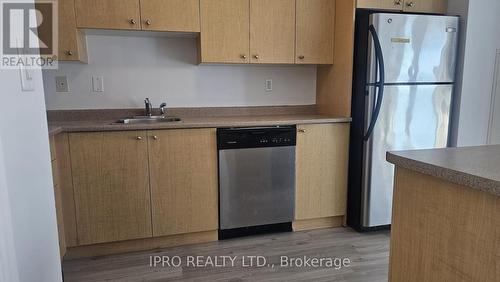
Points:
(379, 57)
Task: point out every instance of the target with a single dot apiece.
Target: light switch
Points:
(97, 84)
(62, 84)
(27, 83)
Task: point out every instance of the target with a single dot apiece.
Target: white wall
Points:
(474, 94)
(28, 229)
(28, 179)
(138, 65)
(8, 261)
(494, 134)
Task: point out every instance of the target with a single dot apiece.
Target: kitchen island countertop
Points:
(474, 167)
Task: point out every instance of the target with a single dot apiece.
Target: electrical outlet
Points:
(62, 84)
(97, 84)
(269, 85)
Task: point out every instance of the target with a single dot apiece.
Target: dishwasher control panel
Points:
(256, 137)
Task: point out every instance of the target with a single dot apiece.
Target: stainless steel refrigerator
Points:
(402, 94)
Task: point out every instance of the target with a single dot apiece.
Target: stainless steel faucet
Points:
(148, 105)
(163, 109)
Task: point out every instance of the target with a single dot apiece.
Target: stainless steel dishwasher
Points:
(256, 179)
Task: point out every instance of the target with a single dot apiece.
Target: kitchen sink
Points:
(148, 119)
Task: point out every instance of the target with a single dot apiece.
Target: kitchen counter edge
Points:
(437, 166)
(191, 123)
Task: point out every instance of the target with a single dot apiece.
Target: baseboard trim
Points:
(318, 223)
(140, 245)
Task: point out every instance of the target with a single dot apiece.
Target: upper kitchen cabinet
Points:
(111, 186)
(412, 6)
(72, 42)
(315, 31)
(426, 6)
(225, 31)
(184, 191)
(72, 45)
(156, 15)
(108, 14)
(381, 4)
(272, 31)
(171, 15)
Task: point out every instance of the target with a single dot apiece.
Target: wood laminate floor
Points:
(368, 253)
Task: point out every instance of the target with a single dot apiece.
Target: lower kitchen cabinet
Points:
(161, 186)
(111, 186)
(321, 171)
(57, 198)
(183, 169)
(142, 184)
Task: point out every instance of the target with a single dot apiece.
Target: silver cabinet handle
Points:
(155, 137)
(70, 53)
(397, 2)
(411, 4)
(148, 22)
(139, 138)
(243, 56)
(256, 57)
(301, 130)
(301, 57)
(132, 21)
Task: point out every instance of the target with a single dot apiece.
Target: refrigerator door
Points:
(411, 117)
(417, 48)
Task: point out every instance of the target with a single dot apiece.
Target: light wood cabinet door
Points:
(321, 170)
(272, 31)
(315, 31)
(72, 42)
(171, 15)
(60, 221)
(58, 198)
(108, 14)
(184, 191)
(381, 4)
(111, 186)
(426, 6)
(65, 187)
(72, 45)
(225, 27)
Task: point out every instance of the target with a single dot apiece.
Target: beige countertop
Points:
(195, 122)
(474, 167)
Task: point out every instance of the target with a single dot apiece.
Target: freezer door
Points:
(416, 48)
(411, 117)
